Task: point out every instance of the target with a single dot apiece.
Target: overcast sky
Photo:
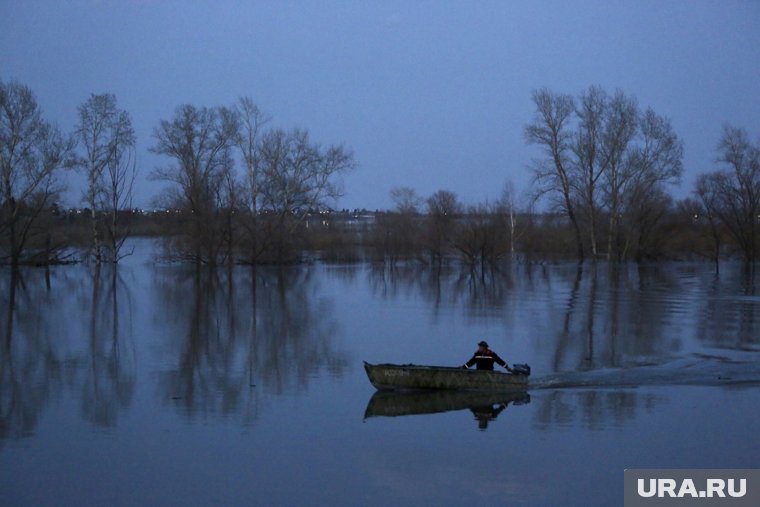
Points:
(431, 95)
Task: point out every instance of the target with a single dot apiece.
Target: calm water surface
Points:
(154, 384)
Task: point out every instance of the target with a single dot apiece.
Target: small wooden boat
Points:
(410, 376)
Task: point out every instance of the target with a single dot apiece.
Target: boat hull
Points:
(393, 376)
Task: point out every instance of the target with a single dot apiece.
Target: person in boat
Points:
(484, 358)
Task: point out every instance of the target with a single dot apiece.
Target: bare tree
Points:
(742, 159)
(603, 157)
(707, 207)
(732, 193)
(590, 158)
(248, 141)
(119, 187)
(645, 213)
(553, 174)
(106, 133)
(481, 240)
(400, 231)
(444, 203)
(200, 141)
(32, 152)
(406, 200)
(443, 208)
(652, 161)
(297, 177)
(300, 176)
(621, 123)
(507, 205)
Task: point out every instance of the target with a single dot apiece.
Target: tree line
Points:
(254, 214)
(606, 164)
(246, 192)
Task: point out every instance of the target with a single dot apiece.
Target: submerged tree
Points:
(398, 233)
(555, 174)
(590, 161)
(406, 201)
(707, 207)
(620, 127)
(200, 142)
(108, 139)
(297, 177)
(508, 207)
(248, 141)
(652, 161)
(443, 209)
(732, 193)
(481, 239)
(32, 152)
(602, 156)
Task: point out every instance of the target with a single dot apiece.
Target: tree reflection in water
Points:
(110, 376)
(731, 319)
(225, 341)
(24, 382)
(589, 316)
(592, 409)
(452, 285)
(44, 353)
(238, 333)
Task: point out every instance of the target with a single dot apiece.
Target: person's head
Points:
(482, 346)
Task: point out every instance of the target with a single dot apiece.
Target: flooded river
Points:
(155, 384)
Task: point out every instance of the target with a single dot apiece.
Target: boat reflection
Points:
(485, 406)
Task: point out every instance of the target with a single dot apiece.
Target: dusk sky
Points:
(431, 95)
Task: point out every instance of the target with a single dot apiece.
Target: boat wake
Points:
(704, 370)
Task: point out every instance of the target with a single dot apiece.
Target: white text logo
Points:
(714, 488)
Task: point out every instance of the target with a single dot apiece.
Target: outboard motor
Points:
(521, 369)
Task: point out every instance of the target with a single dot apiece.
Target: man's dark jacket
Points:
(485, 360)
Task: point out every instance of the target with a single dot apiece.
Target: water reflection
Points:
(590, 316)
(24, 387)
(450, 286)
(224, 342)
(44, 353)
(730, 311)
(593, 409)
(110, 370)
(222, 339)
(484, 406)
(238, 333)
